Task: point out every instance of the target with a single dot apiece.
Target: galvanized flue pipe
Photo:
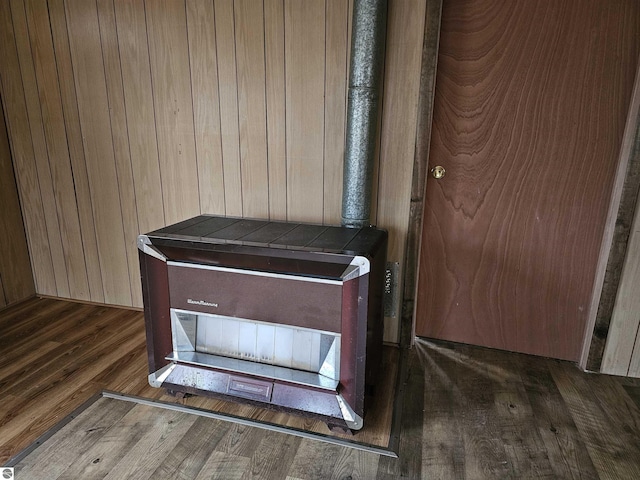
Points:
(367, 58)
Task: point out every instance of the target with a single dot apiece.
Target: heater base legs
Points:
(178, 394)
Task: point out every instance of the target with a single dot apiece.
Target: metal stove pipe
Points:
(367, 57)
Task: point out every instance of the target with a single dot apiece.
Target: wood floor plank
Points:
(621, 411)
(609, 451)
(18, 322)
(442, 447)
(75, 359)
(273, 456)
(634, 394)
(116, 443)
(565, 448)
(154, 445)
(220, 465)
(9, 366)
(314, 461)
(77, 438)
(240, 440)
(189, 456)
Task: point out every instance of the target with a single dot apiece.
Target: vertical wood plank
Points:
(39, 147)
(56, 142)
(120, 138)
(228, 94)
(336, 75)
(304, 56)
(169, 54)
(60, 36)
(140, 117)
(405, 31)
(622, 352)
(206, 104)
(249, 29)
(276, 111)
(16, 278)
(93, 107)
(13, 97)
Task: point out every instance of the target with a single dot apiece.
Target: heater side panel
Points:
(353, 347)
(155, 293)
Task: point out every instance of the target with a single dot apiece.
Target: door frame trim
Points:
(610, 259)
(428, 70)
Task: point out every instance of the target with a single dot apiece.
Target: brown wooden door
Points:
(530, 107)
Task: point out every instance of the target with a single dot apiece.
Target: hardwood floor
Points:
(468, 412)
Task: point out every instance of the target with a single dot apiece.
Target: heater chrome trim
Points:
(358, 267)
(157, 378)
(271, 372)
(351, 418)
(145, 246)
(256, 273)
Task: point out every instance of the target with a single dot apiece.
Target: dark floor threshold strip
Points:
(254, 423)
(13, 461)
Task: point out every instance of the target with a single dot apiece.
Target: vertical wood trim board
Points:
(420, 167)
(627, 164)
(622, 350)
(405, 32)
(127, 115)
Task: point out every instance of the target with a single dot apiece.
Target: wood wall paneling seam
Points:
(58, 23)
(206, 104)
(95, 122)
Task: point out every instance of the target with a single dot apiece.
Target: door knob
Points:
(438, 172)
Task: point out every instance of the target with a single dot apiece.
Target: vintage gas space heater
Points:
(285, 314)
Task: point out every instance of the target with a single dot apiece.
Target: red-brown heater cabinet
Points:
(288, 315)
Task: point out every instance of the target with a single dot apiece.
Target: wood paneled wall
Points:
(128, 115)
(16, 280)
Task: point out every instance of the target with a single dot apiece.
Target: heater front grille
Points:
(251, 346)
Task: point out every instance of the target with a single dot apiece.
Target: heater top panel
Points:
(214, 229)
